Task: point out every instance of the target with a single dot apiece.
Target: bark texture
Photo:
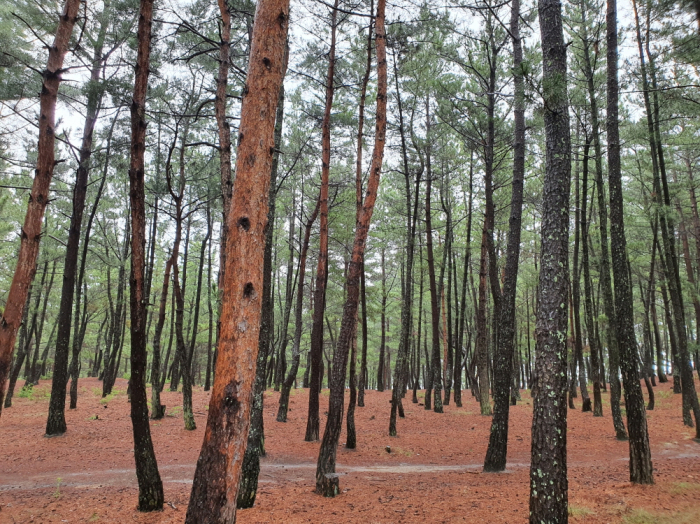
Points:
(215, 485)
(30, 235)
(503, 360)
(326, 477)
(150, 485)
(548, 471)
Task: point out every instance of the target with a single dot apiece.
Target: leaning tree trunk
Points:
(215, 485)
(641, 471)
(39, 197)
(56, 423)
(298, 310)
(150, 485)
(313, 422)
(606, 284)
(503, 361)
(326, 478)
(548, 467)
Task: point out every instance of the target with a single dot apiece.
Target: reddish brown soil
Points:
(432, 474)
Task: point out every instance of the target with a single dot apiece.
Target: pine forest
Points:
(350, 261)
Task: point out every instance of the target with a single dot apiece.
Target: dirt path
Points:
(432, 474)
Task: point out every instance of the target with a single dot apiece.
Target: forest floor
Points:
(432, 473)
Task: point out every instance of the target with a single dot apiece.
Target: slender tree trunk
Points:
(33, 377)
(298, 310)
(434, 308)
(641, 471)
(576, 300)
(461, 324)
(70, 270)
(503, 361)
(150, 485)
(670, 258)
(25, 339)
(606, 283)
(548, 466)
(39, 198)
(313, 420)
(588, 287)
(326, 478)
(215, 486)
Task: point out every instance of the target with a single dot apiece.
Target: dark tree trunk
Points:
(605, 281)
(150, 485)
(25, 339)
(670, 258)
(34, 375)
(641, 471)
(313, 421)
(461, 324)
(215, 486)
(298, 310)
(94, 103)
(503, 361)
(434, 308)
(588, 287)
(407, 289)
(548, 467)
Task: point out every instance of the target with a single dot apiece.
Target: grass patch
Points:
(26, 391)
(579, 511)
(642, 516)
(401, 451)
(175, 411)
(683, 488)
(57, 493)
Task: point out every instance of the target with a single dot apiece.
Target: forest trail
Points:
(87, 475)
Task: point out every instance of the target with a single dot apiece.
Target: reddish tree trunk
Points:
(326, 478)
(313, 422)
(215, 485)
(39, 197)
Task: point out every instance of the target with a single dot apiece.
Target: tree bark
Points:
(216, 479)
(313, 421)
(39, 198)
(150, 485)
(548, 467)
(641, 471)
(503, 362)
(606, 283)
(326, 478)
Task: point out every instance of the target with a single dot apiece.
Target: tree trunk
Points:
(248, 486)
(215, 486)
(503, 362)
(313, 420)
(150, 485)
(39, 198)
(548, 467)
(298, 310)
(326, 478)
(588, 287)
(606, 283)
(641, 471)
